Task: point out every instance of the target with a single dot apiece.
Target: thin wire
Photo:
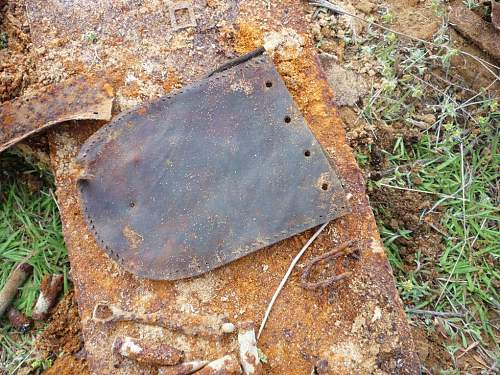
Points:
(287, 275)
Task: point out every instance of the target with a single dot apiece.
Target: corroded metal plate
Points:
(76, 99)
(199, 178)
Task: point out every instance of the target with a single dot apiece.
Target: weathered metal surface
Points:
(148, 352)
(357, 327)
(75, 99)
(206, 175)
(472, 26)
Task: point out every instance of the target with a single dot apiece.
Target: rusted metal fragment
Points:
(50, 287)
(257, 176)
(187, 323)
(185, 368)
(151, 353)
(18, 320)
(472, 26)
(329, 281)
(76, 99)
(495, 14)
(15, 280)
(249, 355)
(358, 327)
(227, 365)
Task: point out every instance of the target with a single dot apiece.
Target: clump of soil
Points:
(63, 335)
(401, 210)
(16, 64)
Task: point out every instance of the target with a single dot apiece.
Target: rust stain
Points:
(134, 239)
(75, 99)
(357, 327)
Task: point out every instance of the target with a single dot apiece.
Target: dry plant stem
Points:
(49, 290)
(185, 368)
(227, 365)
(14, 282)
(152, 353)
(335, 253)
(194, 325)
(249, 355)
(328, 5)
(441, 314)
(287, 275)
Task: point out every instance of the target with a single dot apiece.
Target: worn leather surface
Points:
(206, 175)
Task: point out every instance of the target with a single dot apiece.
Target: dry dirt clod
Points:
(184, 368)
(365, 6)
(14, 282)
(249, 355)
(349, 86)
(227, 365)
(49, 290)
(284, 45)
(153, 353)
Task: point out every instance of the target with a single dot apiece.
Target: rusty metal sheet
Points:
(356, 327)
(204, 176)
(76, 99)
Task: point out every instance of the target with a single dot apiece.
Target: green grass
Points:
(30, 230)
(454, 163)
(459, 171)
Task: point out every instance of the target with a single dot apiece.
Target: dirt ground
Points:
(401, 210)
(63, 335)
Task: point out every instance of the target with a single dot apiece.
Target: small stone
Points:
(228, 328)
(371, 72)
(428, 118)
(364, 6)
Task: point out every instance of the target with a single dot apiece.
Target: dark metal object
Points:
(237, 60)
(77, 99)
(205, 176)
(333, 254)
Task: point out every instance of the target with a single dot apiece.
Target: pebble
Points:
(365, 6)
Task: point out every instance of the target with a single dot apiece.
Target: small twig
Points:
(444, 94)
(424, 192)
(328, 5)
(469, 348)
(287, 275)
(441, 314)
